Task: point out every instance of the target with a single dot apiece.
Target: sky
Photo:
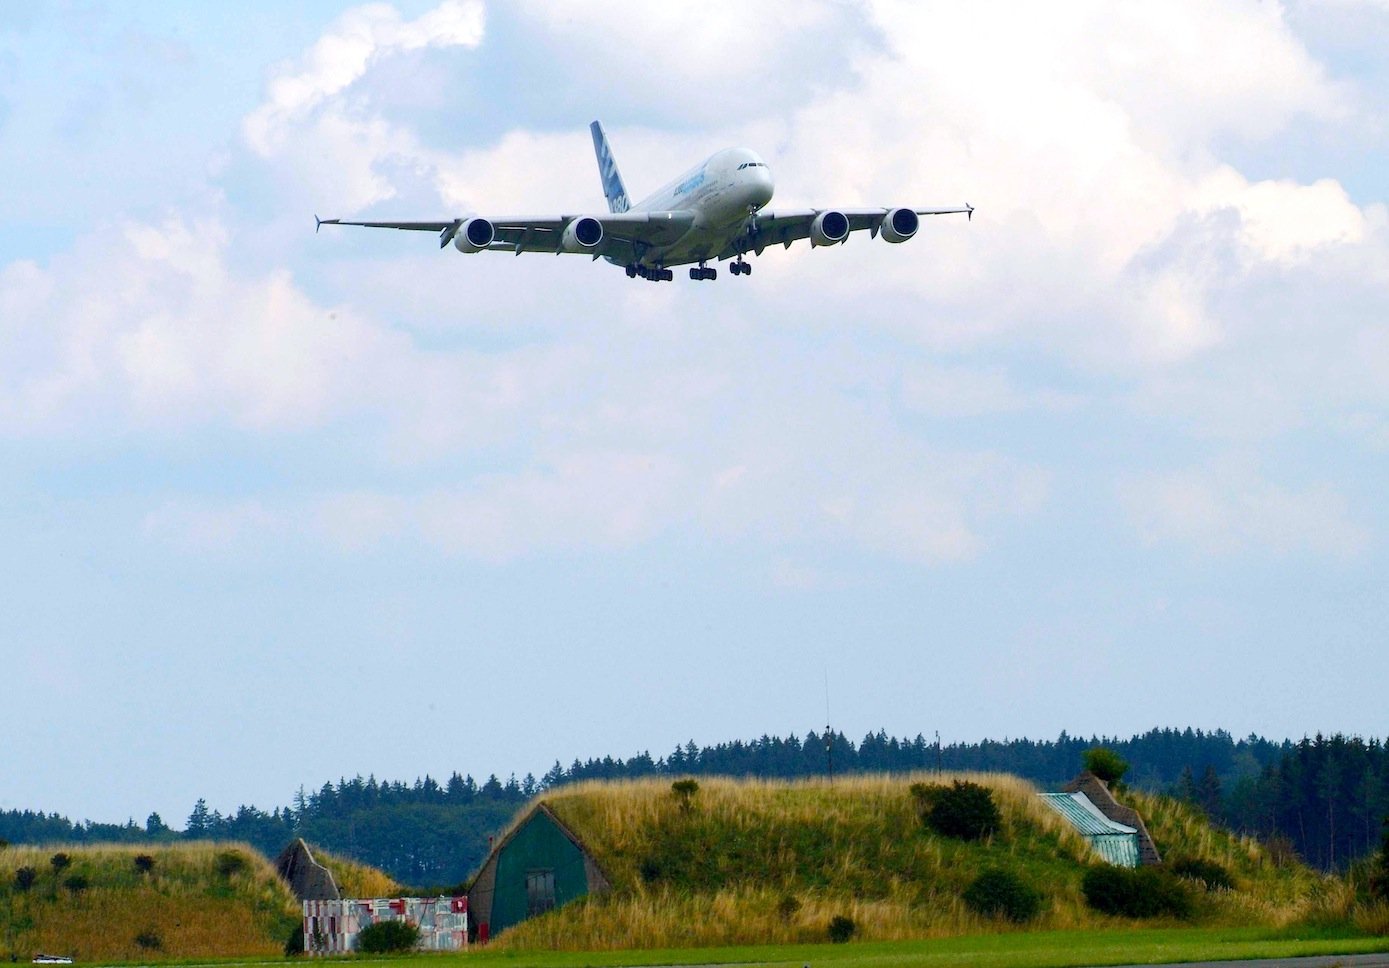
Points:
(279, 507)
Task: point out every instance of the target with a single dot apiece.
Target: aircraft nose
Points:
(760, 187)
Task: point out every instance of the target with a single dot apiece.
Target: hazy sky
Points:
(277, 508)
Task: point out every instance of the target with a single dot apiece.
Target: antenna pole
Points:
(829, 736)
(939, 768)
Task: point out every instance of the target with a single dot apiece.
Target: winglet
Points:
(317, 223)
(969, 212)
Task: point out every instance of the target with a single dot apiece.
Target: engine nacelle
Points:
(581, 234)
(829, 228)
(474, 235)
(899, 225)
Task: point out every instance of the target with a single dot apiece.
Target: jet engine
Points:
(581, 234)
(899, 225)
(829, 228)
(474, 235)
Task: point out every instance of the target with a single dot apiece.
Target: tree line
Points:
(1322, 797)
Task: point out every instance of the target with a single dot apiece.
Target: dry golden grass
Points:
(355, 879)
(186, 902)
(1266, 891)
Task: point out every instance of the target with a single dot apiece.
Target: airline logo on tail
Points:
(613, 188)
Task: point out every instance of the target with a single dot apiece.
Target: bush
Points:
(1212, 876)
(59, 861)
(841, 928)
(1106, 764)
(684, 791)
(144, 863)
(231, 862)
(1000, 893)
(76, 883)
(294, 944)
(965, 810)
(384, 937)
(25, 877)
(1143, 892)
(150, 940)
(788, 907)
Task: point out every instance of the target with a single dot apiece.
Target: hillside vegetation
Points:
(355, 879)
(754, 862)
(143, 902)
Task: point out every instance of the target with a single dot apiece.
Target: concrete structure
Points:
(539, 865)
(306, 877)
(332, 927)
(1097, 795)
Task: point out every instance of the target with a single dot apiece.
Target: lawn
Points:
(1044, 949)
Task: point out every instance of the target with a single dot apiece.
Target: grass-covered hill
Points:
(744, 862)
(129, 902)
(355, 879)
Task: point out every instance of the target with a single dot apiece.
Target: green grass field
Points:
(1048, 949)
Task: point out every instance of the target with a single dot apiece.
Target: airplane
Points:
(716, 210)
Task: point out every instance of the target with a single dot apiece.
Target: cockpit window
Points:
(752, 164)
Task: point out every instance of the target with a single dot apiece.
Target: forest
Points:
(1323, 798)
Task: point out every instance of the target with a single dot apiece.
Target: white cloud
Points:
(1226, 512)
(310, 123)
(344, 54)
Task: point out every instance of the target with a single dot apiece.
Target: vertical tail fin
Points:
(613, 188)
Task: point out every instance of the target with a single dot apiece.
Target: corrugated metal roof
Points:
(1115, 842)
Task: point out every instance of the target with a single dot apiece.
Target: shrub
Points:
(1212, 876)
(144, 863)
(1000, 893)
(384, 937)
(1106, 764)
(965, 810)
(230, 862)
(684, 791)
(788, 907)
(294, 944)
(25, 877)
(59, 862)
(1143, 892)
(150, 940)
(76, 883)
(841, 928)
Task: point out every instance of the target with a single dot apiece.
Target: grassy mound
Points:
(741, 862)
(355, 879)
(193, 901)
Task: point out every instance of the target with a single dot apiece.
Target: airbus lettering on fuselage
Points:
(714, 212)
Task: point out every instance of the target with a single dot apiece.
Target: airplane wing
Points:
(785, 227)
(624, 235)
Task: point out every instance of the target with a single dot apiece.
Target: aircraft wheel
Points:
(747, 268)
(694, 274)
(631, 272)
(712, 274)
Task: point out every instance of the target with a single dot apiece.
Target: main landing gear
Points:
(702, 274)
(653, 275)
(741, 268)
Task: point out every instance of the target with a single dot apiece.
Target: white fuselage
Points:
(721, 194)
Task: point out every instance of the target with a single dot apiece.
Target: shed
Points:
(539, 865)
